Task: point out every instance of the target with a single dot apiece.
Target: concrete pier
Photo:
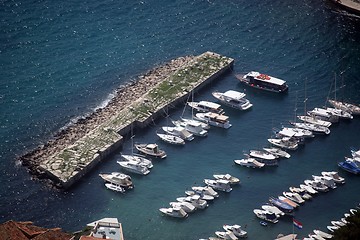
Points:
(66, 166)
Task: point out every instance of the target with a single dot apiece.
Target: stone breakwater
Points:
(78, 148)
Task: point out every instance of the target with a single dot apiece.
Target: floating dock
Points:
(68, 165)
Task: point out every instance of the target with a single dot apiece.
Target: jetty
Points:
(74, 151)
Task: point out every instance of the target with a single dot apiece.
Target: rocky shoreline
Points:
(123, 97)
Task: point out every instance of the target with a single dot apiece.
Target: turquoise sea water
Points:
(59, 61)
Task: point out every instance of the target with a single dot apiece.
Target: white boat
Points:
(205, 190)
(296, 189)
(141, 160)
(294, 197)
(233, 99)
(202, 196)
(313, 120)
(134, 167)
(308, 189)
(340, 113)
(335, 176)
(193, 127)
(283, 143)
(302, 192)
(203, 125)
(214, 119)
(194, 200)
(273, 209)
(266, 215)
(338, 223)
(206, 106)
(355, 153)
(348, 107)
(278, 152)
(295, 132)
(236, 230)
(186, 206)
(174, 212)
(228, 177)
(169, 138)
(249, 162)
(151, 149)
(262, 155)
(323, 234)
(328, 181)
(263, 81)
(117, 178)
(312, 127)
(316, 237)
(332, 228)
(114, 187)
(226, 235)
(318, 186)
(180, 132)
(221, 185)
(323, 114)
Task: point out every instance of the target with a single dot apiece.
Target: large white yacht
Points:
(233, 99)
(151, 149)
(334, 175)
(141, 160)
(266, 215)
(221, 185)
(228, 177)
(264, 82)
(194, 200)
(249, 162)
(214, 119)
(186, 206)
(283, 143)
(134, 167)
(205, 190)
(193, 127)
(323, 114)
(174, 212)
(180, 132)
(117, 178)
(278, 152)
(206, 106)
(312, 127)
(262, 155)
(314, 120)
(236, 230)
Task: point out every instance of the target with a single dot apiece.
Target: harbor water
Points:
(60, 61)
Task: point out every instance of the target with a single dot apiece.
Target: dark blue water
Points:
(59, 61)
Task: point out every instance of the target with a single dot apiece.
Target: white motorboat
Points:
(205, 190)
(308, 189)
(206, 106)
(328, 181)
(236, 230)
(273, 209)
(335, 176)
(141, 160)
(323, 234)
(348, 107)
(203, 125)
(312, 127)
(296, 189)
(249, 162)
(316, 237)
(355, 153)
(226, 235)
(221, 185)
(263, 81)
(169, 138)
(323, 114)
(228, 177)
(262, 155)
(294, 197)
(194, 200)
(134, 167)
(313, 120)
(193, 127)
(295, 133)
(332, 228)
(214, 119)
(288, 201)
(202, 196)
(301, 191)
(283, 143)
(266, 215)
(278, 152)
(338, 223)
(114, 187)
(117, 178)
(151, 149)
(317, 185)
(180, 132)
(186, 206)
(174, 212)
(340, 113)
(233, 99)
